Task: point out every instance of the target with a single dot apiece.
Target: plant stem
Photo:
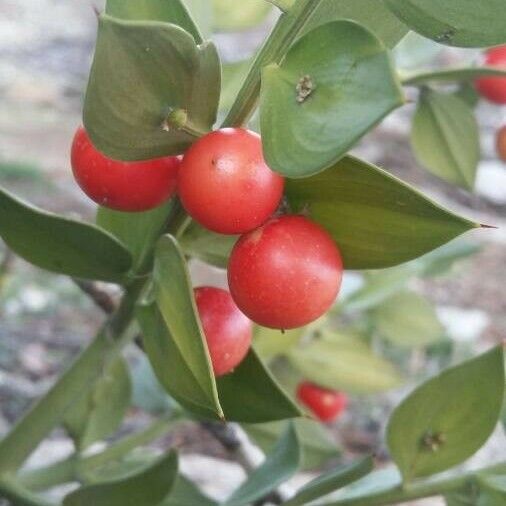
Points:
(282, 5)
(274, 49)
(20, 496)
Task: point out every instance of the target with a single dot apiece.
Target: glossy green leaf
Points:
(370, 13)
(174, 296)
(445, 138)
(137, 231)
(61, 245)
(334, 85)
(448, 418)
(457, 74)
(185, 493)
(461, 23)
(173, 11)
(231, 15)
(331, 481)
(408, 319)
(344, 362)
(148, 487)
(279, 466)
(207, 246)
(143, 70)
(100, 413)
(377, 220)
(318, 446)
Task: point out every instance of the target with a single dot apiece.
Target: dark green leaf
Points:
(231, 15)
(453, 75)
(334, 85)
(377, 220)
(448, 418)
(454, 22)
(137, 231)
(173, 11)
(100, 413)
(148, 487)
(185, 493)
(279, 466)
(331, 481)
(445, 138)
(61, 245)
(142, 70)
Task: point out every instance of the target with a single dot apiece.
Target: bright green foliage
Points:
(448, 418)
(334, 85)
(445, 138)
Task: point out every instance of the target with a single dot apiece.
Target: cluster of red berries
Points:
(284, 272)
(494, 90)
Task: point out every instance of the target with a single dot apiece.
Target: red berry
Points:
(225, 184)
(326, 404)
(124, 186)
(501, 143)
(228, 332)
(285, 274)
(494, 88)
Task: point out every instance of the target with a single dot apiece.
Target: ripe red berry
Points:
(501, 143)
(228, 332)
(494, 88)
(225, 184)
(326, 404)
(124, 186)
(285, 274)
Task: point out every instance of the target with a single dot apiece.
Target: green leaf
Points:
(185, 493)
(459, 23)
(377, 220)
(457, 74)
(99, 414)
(278, 467)
(492, 489)
(350, 85)
(370, 13)
(207, 246)
(230, 15)
(148, 487)
(318, 446)
(61, 245)
(137, 231)
(331, 481)
(143, 70)
(445, 138)
(173, 11)
(344, 362)
(448, 418)
(270, 343)
(408, 319)
(174, 296)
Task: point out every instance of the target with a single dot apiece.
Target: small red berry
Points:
(228, 332)
(494, 88)
(285, 274)
(326, 404)
(501, 143)
(225, 184)
(124, 186)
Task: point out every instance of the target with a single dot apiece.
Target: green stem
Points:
(63, 471)
(19, 496)
(286, 30)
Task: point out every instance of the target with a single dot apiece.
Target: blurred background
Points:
(417, 319)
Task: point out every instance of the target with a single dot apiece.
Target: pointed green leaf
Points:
(331, 481)
(461, 23)
(279, 466)
(344, 362)
(230, 15)
(448, 418)
(377, 220)
(408, 319)
(141, 71)
(445, 138)
(99, 414)
(149, 487)
(457, 74)
(186, 493)
(173, 11)
(137, 231)
(174, 297)
(334, 85)
(61, 245)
